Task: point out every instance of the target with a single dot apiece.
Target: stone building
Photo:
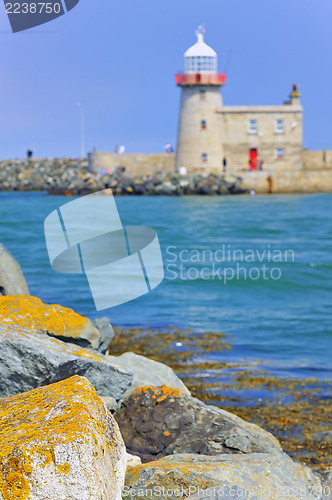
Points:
(247, 137)
(261, 144)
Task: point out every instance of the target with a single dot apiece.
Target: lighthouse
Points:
(199, 144)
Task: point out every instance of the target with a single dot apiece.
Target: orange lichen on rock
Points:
(256, 472)
(65, 468)
(31, 424)
(158, 393)
(39, 413)
(27, 468)
(30, 312)
(16, 487)
(41, 429)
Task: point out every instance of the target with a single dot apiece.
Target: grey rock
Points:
(111, 403)
(29, 359)
(156, 422)
(64, 175)
(258, 476)
(12, 281)
(132, 460)
(226, 492)
(326, 479)
(74, 328)
(60, 442)
(106, 333)
(148, 372)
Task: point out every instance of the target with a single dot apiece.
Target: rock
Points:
(106, 333)
(60, 442)
(110, 403)
(132, 460)
(69, 177)
(225, 492)
(12, 281)
(148, 372)
(29, 359)
(259, 476)
(326, 479)
(56, 321)
(156, 422)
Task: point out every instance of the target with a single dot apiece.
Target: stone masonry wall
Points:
(299, 181)
(237, 139)
(317, 159)
(135, 164)
(315, 175)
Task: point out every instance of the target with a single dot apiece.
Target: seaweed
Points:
(297, 411)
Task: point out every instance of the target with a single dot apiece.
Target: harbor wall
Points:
(299, 181)
(314, 176)
(135, 163)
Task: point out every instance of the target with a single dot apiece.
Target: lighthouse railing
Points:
(200, 78)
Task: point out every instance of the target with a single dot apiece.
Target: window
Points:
(198, 64)
(203, 94)
(279, 153)
(252, 126)
(279, 126)
(203, 124)
(204, 157)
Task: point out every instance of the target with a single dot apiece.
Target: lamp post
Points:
(79, 105)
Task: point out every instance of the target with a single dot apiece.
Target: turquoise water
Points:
(283, 320)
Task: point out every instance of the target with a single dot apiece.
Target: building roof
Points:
(200, 48)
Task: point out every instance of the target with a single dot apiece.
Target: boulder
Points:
(156, 422)
(68, 177)
(106, 333)
(60, 442)
(12, 281)
(326, 479)
(55, 320)
(148, 372)
(29, 359)
(133, 461)
(111, 403)
(256, 476)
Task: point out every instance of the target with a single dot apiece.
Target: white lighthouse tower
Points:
(199, 143)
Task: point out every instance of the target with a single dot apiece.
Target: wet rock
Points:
(29, 359)
(12, 281)
(259, 476)
(156, 422)
(60, 442)
(55, 320)
(106, 333)
(148, 372)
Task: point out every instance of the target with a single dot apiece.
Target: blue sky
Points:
(119, 59)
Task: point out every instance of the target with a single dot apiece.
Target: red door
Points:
(253, 158)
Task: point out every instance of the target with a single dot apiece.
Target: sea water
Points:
(258, 268)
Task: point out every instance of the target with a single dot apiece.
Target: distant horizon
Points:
(120, 62)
